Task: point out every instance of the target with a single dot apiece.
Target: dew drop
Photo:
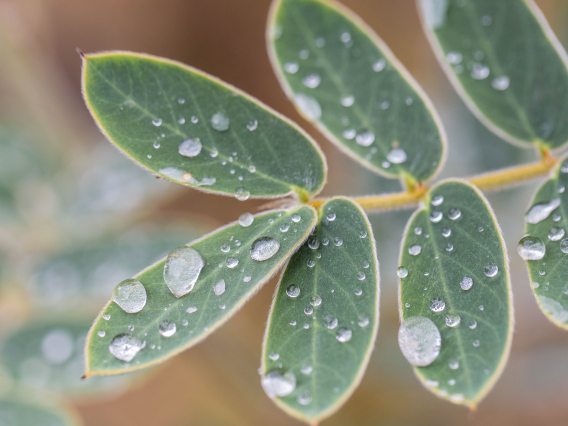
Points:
(347, 100)
(436, 216)
(454, 365)
(101, 333)
(291, 67)
(246, 220)
(308, 106)
(365, 138)
(415, 250)
(437, 200)
(480, 71)
(330, 217)
(157, 122)
(540, 211)
(363, 321)
(454, 58)
(454, 213)
(296, 218)
(130, 295)
(232, 262)
(491, 270)
(343, 334)
(312, 80)
(191, 310)
(437, 305)
(501, 83)
(419, 340)
(466, 283)
(190, 147)
(315, 300)
(313, 243)
(106, 317)
(531, 248)
(337, 241)
(276, 383)
(308, 310)
(264, 248)
(396, 156)
(330, 322)
(361, 276)
(219, 288)
(473, 325)
(220, 122)
(379, 65)
(167, 328)
(293, 291)
(182, 268)
(402, 272)
(453, 320)
(273, 356)
(125, 347)
(349, 133)
(242, 194)
(418, 231)
(554, 309)
(306, 369)
(564, 246)
(556, 233)
(446, 232)
(284, 227)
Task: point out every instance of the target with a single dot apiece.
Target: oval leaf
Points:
(547, 220)
(506, 63)
(194, 129)
(325, 315)
(344, 79)
(168, 325)
(455, 275)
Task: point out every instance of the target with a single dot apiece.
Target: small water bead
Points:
(402, 272)
(101, 333)
(452, 382)
(190, 147)
(306, 326)
(415, 250)
(194, 119)
(242, 194)
(311, 263)
(343, 334)
(330, 217)
(473, 325)
(264, 248)
(315, 300)
(304, 397)
(454, 213)
(325, 241)
(296, 218)
(157, 122)
(345, 37)
(293, 291)
(225, 248)
(312, 80)
(306, 369)
(181, 270)
(556, 234)
(330, 322)
(156, 144)
(252, 169)
(219, 288)
(337, 241)
(501, 83)
(308, 106)
(320, 42)
(291, 67)
(476, 343)
(554, 309)
(466, 283)
(365, 138)
(214, 152)
(481, 307)
(454, 58)
(106, 317)
(454, 365)
(304, 54)
(540, 211)
(284, 227)
(220, 122)
(167, 328)
(446, 232)
(437, 200)
(125, 347)
(449, 247)
(274, 356)
(308, 310)
(453, 320)
(363, 234)
(363, 321)
(418, 231)
(531, 248)
(232, 262)
(130, 295)
(564, 246)
(361, 276)
(436, 216)
(396, 156)
(491, 270)
(480, 71)
(276, 383)
(181, 120)
(246, 219)
(293, 323)
(349, 133)
(191, 310)
(252, 125)
(379, 65)
(366, 265)
(437, 305)
(419, 340)
(347, 100)
(358, 292)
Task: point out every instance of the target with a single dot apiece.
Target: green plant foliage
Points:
(506, 63)
(191, 128)
(343, 78)
(325, 315)
(167, 325)
(454, 272)
(546, 256)
(49, 355)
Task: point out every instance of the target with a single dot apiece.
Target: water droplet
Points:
(181, 120)
(365, 138)
(491, 270)
(194, 119)
(437, 200)
(225, 248)
(320, 42)
(247, 278)
(454, 58)
(191, 310)
(273, 356)
(125, 347)
(363, 234)
(564, 246)
(304, 54)
(219, 288)
(190, 147)
(476, 343)
(315, 300)
(556, 233)
(554, 309)
(106, 317)
(284, 227)
(306, 369)
(293, 291)
(291, 67)
(308, 106)
(361, 276)
(167, 328)
(396, 156)
(541, 211)
(232, 262)
(312, 80)
(501, 83)
(379, 65)
(264, 248)
(363, 321)
(402, 272)
(343, 334)
(531, 248)
(311, 263)
(466, 283)
(252, 125)
(446, 232)
(275, 383)
(453, 320)
(454, 365)
(325, 241)
(246, 219)
(220, 122)
(313, 243)
(101, 333)
(436, 216)
(358, 292)
(330, 322)
(454, 213)
(418, 231)
(182, 269)
(330, 217)
(415, 250)
(347, 100)
(349, 133)
(242, 194)
(296, 218)
(481, 307)
(308, 310)
(419, 340)
(437, 305)
(337, 241)
(480, 71)
(156, 144)
(157, 122)
(130, 295)
(449, 247)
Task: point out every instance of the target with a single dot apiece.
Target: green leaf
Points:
(455, 275)
(547, 220)
(49, 355)
(197, 314)
(507, 65)
(337, 276)
(154, 108)
(343, 78)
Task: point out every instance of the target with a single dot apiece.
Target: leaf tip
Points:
(85, 376)
(80, 52)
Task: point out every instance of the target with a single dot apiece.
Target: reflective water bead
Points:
(349, 134)
(167, 328)
(232, 262)
(313, 243)
(437, 200)
(220, 122)
(449, 247)
(480, 71)
(446, 232)
(293, 291)
(436, 216)
(419, 340)
(415, 250)
(473, 325)
(130, 295)
(246, 219)
(437, 305)
(291, 67)
(454, 365)
(252, 125)
(325, 241)
(219, 288)
(466, 283)
(242, 194)
(247, 278)
(225, 248)
(363, 234)
(402, 272)
(181, 120)
(320, 42)
(330, 217)
(284, 227)
(358, 292)
(365, 265)
(564, 245)
(312, 80)
(276, 383)
(501, 83)
(306, 369)
(296, 218)
(181, 270)
(157, 122)
(363, 321)
(337, 241)
(454, 58)
(194, 119)
(396, 156)
(418, 231)
(454, 213)
(556, 234)
(360, 276)
(101, 333)
(379, 65)
(347, 100)
(365, 138)
(308, 106)
(476, 343)
(125, 347)
(540, 211)
(491, 270)
(453, 320)
(315, 300)
(330, 322)
(343, 334)
(308, 310)
(311, 263)
(191, 310)
(274, 356)
(531, 248)
(106, 317)
(190, 147)
(264, 248)
(304, 397)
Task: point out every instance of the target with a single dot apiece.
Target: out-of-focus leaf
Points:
(193, 129)
(325, 315)
(454, 284)
(229, 268)
(343, 78)
(506, 63)
(546, 249)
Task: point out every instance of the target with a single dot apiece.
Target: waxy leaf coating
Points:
(230, 276)
(191, 128)
(325, 315)
(506, 63)
(344, 79)
(454, 272)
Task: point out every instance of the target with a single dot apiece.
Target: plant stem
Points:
(486, 182)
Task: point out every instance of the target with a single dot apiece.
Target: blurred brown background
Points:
(216, 382)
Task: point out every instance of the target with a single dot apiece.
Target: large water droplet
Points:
(130, 295)
(308, 106)
(454, 213)
(453, 320)
(167, 328)
(437, 305)
(190, 147)
(276, 383)
(125, 347)
(396, 156)
(491, 270)
(220, 122)
(232, 262)
(531, 248)
(419, 340)
(330, 322)
(466, 283)
(415, 250)
(242, 194)
(293, 291)
(365, 138)
(312, 80)
(541, 211)
(264, 248)
(436, 216)
(246, 219)
(402, 272)
(219, 288)
(343, 334)
(182, 269)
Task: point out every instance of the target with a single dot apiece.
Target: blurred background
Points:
(76, 217)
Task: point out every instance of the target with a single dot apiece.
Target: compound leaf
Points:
(228, 277)
(455, 284)
(547, 220)
(325, 315)
(343, 78)
(192, 128)
(506, 63)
